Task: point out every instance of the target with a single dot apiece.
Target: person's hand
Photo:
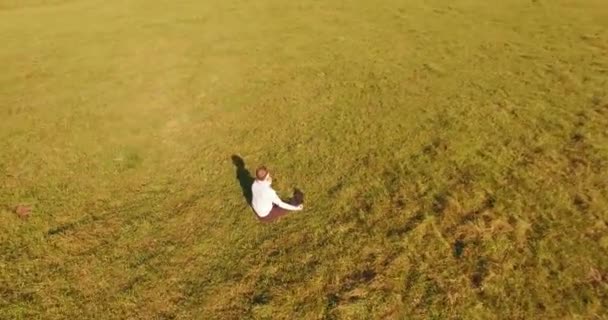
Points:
(300, 207)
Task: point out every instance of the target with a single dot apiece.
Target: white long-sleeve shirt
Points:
(264, 197)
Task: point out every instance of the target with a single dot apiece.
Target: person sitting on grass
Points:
(266, 203)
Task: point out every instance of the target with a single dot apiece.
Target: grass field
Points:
(454, 156)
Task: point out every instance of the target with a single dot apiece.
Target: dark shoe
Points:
(298, 197)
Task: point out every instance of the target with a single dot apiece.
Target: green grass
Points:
(454, 158)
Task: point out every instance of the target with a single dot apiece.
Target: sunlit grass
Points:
(454, 159)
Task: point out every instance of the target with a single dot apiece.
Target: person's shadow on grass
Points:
(244, 177)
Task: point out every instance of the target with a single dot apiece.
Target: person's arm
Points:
(284, 205)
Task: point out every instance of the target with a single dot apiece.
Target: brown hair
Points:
(261, 173)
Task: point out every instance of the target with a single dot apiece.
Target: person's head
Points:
(262, 174)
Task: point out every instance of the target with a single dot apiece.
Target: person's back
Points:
(265, 201)
(263, 197)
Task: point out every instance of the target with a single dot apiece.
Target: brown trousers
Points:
(277, 212)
